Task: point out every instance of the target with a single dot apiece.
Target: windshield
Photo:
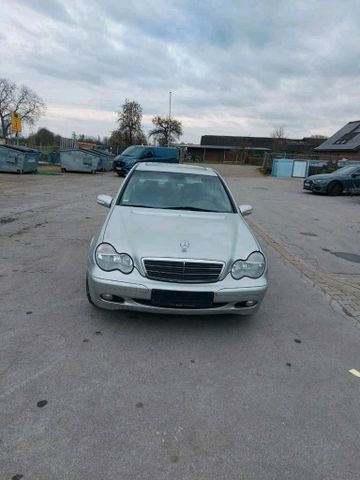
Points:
(133, 151)
(345, 171)
(177, 191)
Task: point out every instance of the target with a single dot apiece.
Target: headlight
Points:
(319, 180)
(253, 267)
(108, 259)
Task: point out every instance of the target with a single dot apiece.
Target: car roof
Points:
(175, 168)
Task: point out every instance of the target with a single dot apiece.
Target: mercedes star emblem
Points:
(185, 244)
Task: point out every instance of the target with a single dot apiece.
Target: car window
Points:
(133, 151)
(172, 190)
(345, 171)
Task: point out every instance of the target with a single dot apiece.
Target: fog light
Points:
(250, 303)
(107, 296)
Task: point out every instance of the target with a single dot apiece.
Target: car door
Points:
(355, 182)
(149, 155)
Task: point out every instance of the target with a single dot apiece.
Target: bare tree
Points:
(130, 117)
(119, 142)
(18, 99)
(320, 137)
(166, 130)
(279, 135)
(279, 132)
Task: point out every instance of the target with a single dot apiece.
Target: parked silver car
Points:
(174, 241)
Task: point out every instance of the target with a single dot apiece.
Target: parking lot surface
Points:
(319, 234)
(90, 394)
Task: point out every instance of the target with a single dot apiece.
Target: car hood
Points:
(320, 176)
(144, 232)
(127, 159)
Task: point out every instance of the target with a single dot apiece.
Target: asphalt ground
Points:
(318, 234)
(90, 394)
(323, 231)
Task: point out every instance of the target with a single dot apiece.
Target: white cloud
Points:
(235, 67)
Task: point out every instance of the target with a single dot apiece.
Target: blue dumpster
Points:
(79, 160)
(18, 159)
(106, 162)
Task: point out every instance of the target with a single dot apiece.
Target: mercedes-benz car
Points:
(343, 180)
(174, 241)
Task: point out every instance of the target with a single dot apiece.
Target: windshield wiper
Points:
(136, 205)
(194, 209)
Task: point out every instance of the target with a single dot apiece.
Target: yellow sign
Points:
(16, 122)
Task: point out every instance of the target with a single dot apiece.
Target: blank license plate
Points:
(174, 299)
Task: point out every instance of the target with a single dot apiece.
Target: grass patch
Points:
(49, 170)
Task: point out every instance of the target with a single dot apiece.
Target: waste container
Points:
(18, 159)
(79, 160)
(106, 162)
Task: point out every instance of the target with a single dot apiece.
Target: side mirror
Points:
(245, 210)
(104, 200)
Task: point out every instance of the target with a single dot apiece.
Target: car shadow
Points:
(130, 320)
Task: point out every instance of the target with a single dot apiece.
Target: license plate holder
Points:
(179, 299)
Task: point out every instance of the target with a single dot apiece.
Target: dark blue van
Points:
(124, 162)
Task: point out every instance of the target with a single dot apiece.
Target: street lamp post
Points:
(169, 131)
(170, 93)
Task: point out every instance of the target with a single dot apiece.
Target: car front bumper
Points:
(134, 292)
(120, 170)
(315, 187)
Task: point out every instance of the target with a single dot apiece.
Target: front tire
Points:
(334, 189)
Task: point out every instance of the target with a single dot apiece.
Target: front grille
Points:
(183, 271)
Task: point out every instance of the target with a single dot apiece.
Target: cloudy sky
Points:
(235, 67)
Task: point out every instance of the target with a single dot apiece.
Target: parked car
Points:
(344, 180)
(174, 241)
(124, 162)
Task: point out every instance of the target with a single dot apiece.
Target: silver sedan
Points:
(174, 241)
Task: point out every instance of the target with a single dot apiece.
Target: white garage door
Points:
(299, 169)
